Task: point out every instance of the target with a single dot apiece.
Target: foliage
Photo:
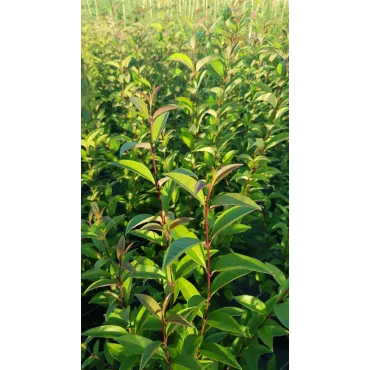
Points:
(185, 242)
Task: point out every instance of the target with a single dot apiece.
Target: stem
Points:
(165, 341)
(208, 247)
(163, 217)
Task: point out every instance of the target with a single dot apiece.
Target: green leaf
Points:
(187, 137)
(183, 362)
(139, 220)
(230, 216)
(148, 235)
(253, 303)
(282, 313)
(140, 105)
(131, 145)
(224, 171)
(148, 272)
(218, 66)
(216, 352)
(178, 319)
(150, 304)
(182, 58)
(191, 343)
(276, 273)
(206, 60)
(177, 248)
(105, 331)
(271, 365)
(100, 283)
(235, 229)
(188, 290)
(269, 98)
(197, 252)
(265, 334)
(223, 321)
(137, 344)
(148, 353)
(226, 277)
(276, 140)
(136, 167)
(117, 351)
(236, 260)
(233, 199)
(187, 183)
(158, 125)
(94, 274)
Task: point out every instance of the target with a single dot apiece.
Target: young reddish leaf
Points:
(163, 110)
(224, 171)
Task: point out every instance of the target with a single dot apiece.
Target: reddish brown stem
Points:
(208, 272)
(168, 360)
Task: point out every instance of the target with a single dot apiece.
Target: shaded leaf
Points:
(148, 353)
(282, 313)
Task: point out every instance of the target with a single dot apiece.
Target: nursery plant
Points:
(185, 203)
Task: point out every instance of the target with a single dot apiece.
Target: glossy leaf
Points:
(136, 167)
(148, 353)
(187, 183)
(253, 303)
(177, 248)
(219, 353)
(140, 105)
(234, 199)
(105, 331)
(226, 277)
(138, 344)
(230, 216)
(99, 284)
(223, 321)
(150, 304)
(182, 58)
(224, 171)
(236, 260)
(158, 126)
